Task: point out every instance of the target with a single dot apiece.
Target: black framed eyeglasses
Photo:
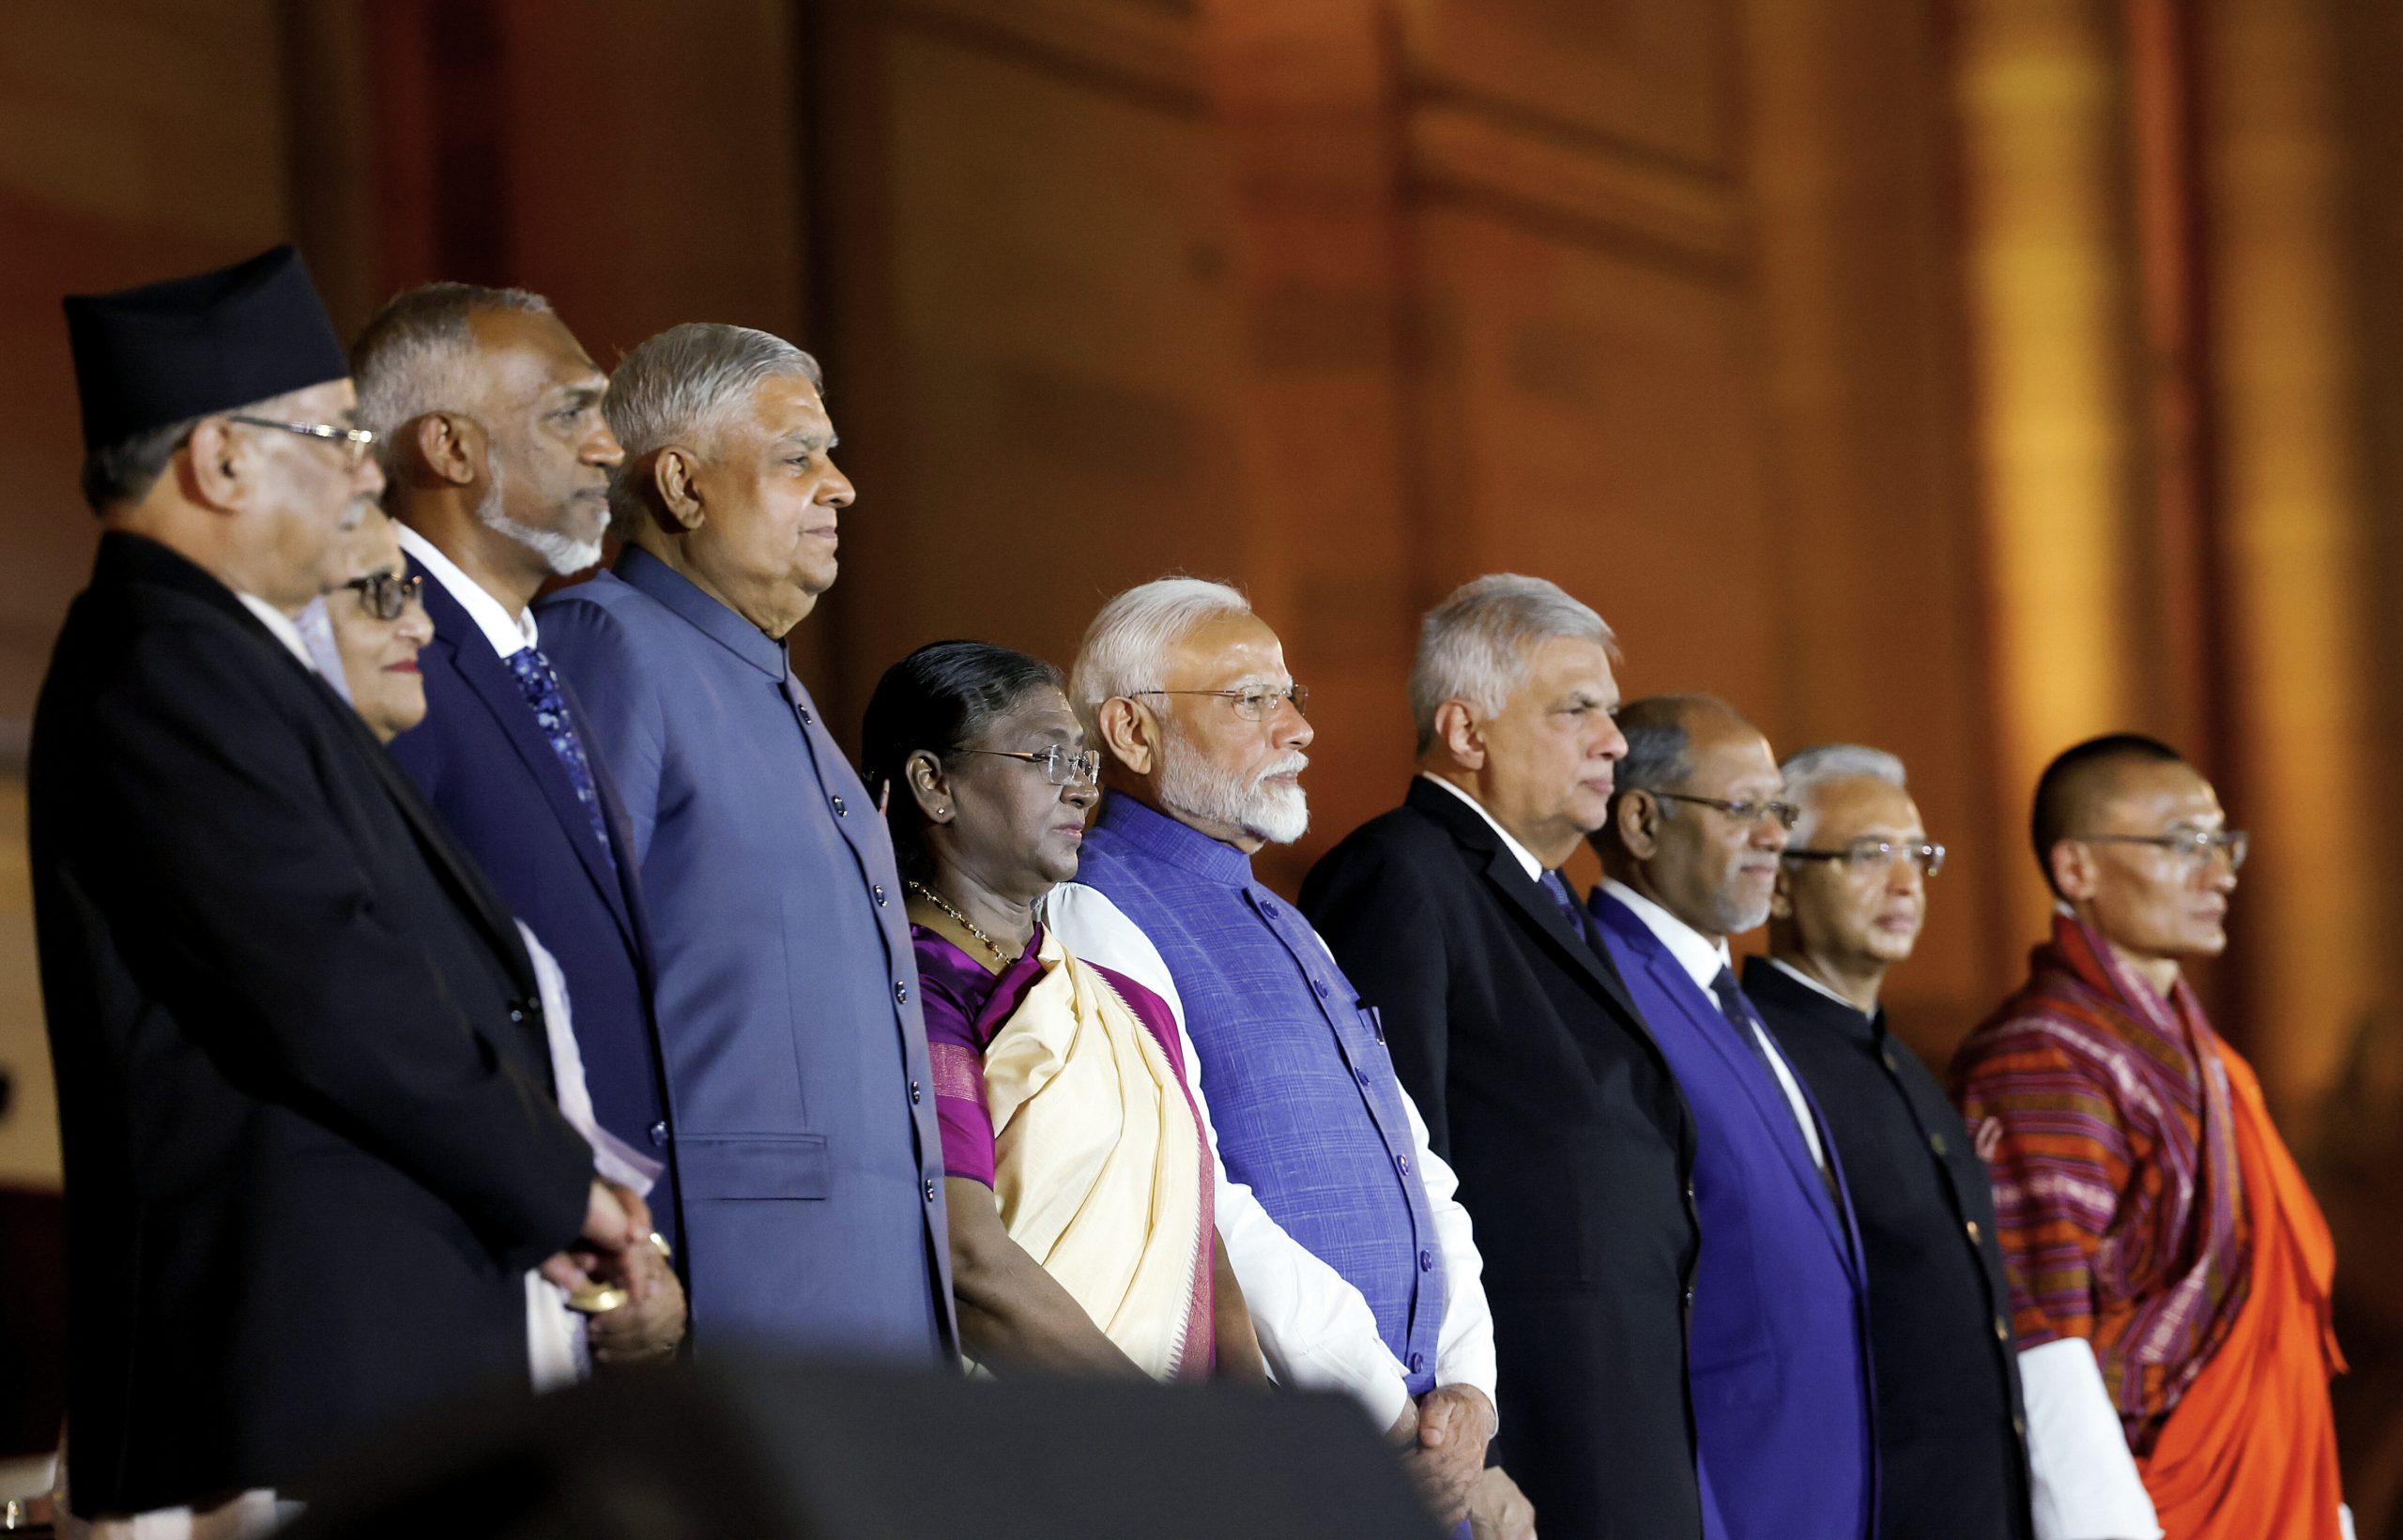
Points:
(1878, 856)
(2189, 850)
(386, 595)
(353, 442)
(1746, 812)
(1061, 765)
(1250, 705)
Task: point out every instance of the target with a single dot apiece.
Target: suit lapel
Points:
(491, 682)
(1760, 1085)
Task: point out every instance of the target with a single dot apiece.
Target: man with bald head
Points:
(2169, 1270)
(1776, 1356)
(1851, 895)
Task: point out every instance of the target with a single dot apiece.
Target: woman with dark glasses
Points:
(1080, 1172)
(379, 625)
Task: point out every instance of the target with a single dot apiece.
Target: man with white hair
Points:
(497, 461)
(803, 1120)
(1340, 1221)
(1516, 1038)
(1850, 897)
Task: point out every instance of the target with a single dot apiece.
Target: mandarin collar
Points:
(1155, 835)
(637, 568)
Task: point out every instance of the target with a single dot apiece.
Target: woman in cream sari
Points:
(1077, 1170)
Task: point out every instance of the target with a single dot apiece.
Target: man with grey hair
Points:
(1778, 1353)
(1516, 1038)
(1340, 1222)
(795, 1058)
(1850, 897)
(487, 416)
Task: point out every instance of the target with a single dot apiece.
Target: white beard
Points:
(1279, 815)
(563, 553)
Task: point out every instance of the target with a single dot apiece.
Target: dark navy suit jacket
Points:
(481, 760)
(1777, 1352)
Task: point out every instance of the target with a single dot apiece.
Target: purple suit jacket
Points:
(1778, 1353)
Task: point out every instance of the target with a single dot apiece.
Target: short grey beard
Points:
(1189, 784)
(563, 553)
(1732, 921)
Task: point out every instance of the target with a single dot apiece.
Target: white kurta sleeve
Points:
(1464, 1349)
(1315, 1329)
(2086, 1485)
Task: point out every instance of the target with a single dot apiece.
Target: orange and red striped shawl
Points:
(2103, 1112)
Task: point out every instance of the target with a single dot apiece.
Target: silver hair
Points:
(415, 356)
(1473, 645)
(685, 383)
(1807, 770)
(1125, 649)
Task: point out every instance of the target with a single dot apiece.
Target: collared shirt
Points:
(1524, 857)
(1809, 983)
(1704, 960)
(508, 635)
(1340, 1221)
(281, 625)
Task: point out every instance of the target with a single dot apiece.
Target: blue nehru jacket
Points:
(1302, 1095)
(805, 1142)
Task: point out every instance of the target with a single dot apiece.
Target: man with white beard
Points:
(1340, 1221)
(496, 464)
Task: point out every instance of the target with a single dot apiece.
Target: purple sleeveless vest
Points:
(1303, 1097)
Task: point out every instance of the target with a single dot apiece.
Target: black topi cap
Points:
(160, 354)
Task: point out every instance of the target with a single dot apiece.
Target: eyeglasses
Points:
(1250, 705)
(386, 595)
(353, 442)
(2191, 851)
(1878, 856)
(1061, 766)
(1745, 811)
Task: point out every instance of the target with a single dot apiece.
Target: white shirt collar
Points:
(1701, 957)
(280, 624)
(1525, 856)
(509, 635)
(1804, 979)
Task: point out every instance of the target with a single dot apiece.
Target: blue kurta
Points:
(1303, 1097)
(786, 991)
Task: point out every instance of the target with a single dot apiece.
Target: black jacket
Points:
(1952, 1435)
(303, 1093)
(1540, 1086)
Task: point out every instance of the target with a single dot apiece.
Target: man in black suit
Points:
(1850, 897)
(1536, 1076)
(311, 1147)
(496, 463)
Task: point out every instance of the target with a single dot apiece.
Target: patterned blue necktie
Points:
(541, 691)
(1556, 886)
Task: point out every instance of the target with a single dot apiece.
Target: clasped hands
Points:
(618, 1247)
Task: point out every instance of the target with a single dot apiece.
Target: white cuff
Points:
(2085, 1482)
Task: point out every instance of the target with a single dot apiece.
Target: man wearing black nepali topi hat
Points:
(310, 1137)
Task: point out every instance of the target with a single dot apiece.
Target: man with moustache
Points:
(497, 463)
(1517, 1040)
(1340, 1223)
(2169, 1270)
(310, 1145)
(806, 1151)
(1778, 1355)
(1851, 895)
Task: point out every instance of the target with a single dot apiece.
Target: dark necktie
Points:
(1555, 885)
(1739, 1016)
(541, 688)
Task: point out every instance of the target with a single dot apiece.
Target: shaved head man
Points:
(2169, 1270)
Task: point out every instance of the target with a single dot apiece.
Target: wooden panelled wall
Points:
(1958, 378)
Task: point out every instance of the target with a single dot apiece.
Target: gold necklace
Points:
(969, 925)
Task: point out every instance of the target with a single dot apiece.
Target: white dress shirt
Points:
(1704, 960)
(509, 635)
(281, 625)
(1315, 1329)
(1525, 856)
